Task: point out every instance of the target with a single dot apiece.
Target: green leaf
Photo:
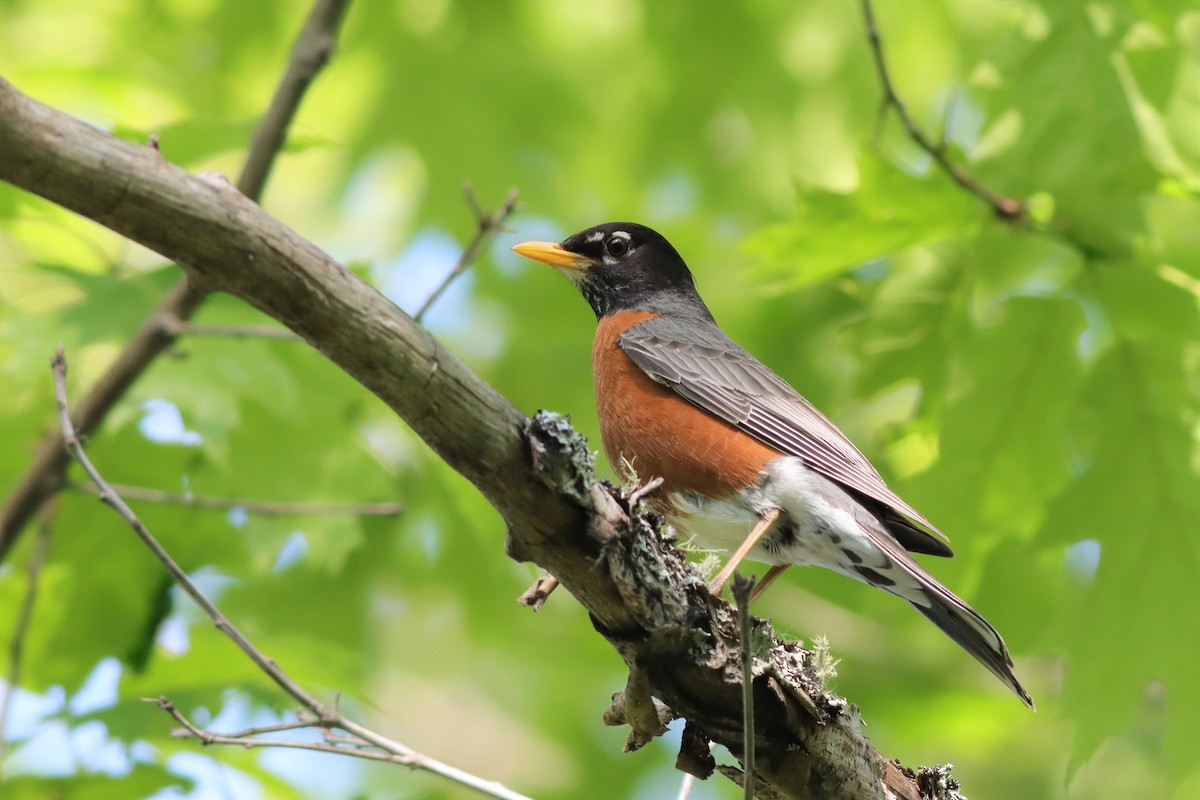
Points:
(1137, 496)
(143, 781)
(1173, 232)
(889, 211)
(1058, 149)
(1003, 444)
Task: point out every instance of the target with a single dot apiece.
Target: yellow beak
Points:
(554, 255)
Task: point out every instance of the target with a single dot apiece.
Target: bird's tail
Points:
(972, 632)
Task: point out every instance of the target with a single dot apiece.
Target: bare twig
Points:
(694, 760)
(111, 498)
(640, 492)
(45, 475)
(535, 596)
(685, 786)
(16, 645)
(323, 716)
(383, 509)
(305, 722)
(486, 227)
(1006, 208)
(351, 746)
(184, 328)
(310, 54)
(743, 588)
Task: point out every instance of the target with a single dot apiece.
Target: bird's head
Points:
(620, 266)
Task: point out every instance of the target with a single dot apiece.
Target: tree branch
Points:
(111, 498)
(641, 594)
(343, 746)
(486, 228)
(45, 476)
(323, 716)
(383, 509)
(1005, 208)
(743, 589)
(16, 645)
(310, 53)
(178, 327)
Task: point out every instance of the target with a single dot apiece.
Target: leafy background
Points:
(1033, 389)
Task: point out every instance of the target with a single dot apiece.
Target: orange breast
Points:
(661, 434)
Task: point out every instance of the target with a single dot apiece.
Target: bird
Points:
(747, 464)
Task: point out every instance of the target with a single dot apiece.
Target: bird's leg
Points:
(760, 587)
(765, 521)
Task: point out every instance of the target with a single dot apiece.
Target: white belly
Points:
(820, 524)
(720, 525)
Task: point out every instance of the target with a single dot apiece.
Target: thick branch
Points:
(45, 476)
(640, 592)
(180, 327)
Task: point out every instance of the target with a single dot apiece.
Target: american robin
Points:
(748, 465)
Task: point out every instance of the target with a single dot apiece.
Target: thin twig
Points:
(190, 730)
(685, 786)
(409, 758)
(1006, 208)
(743, 587)
(392, 752)
(310, 54)
(111, 498)
(635, 497)
(45, 475)
(304, 723)
(382, 509)
(184, 328)
(535, 596)
(323, 716)
(486, 227)
(16, 645)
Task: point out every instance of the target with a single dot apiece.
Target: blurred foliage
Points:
(1033, 389)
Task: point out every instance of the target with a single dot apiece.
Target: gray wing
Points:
(697, 360)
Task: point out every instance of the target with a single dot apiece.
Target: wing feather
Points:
(704, 366)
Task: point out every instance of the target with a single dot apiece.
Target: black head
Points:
(621, 266)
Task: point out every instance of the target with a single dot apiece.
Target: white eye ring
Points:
(618, 245)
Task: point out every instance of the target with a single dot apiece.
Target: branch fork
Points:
(359, 741)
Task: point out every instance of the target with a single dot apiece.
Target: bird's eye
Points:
(617, 245)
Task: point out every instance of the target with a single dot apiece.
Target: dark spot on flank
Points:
(779, 538)
(854, 557)
(874, 577)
